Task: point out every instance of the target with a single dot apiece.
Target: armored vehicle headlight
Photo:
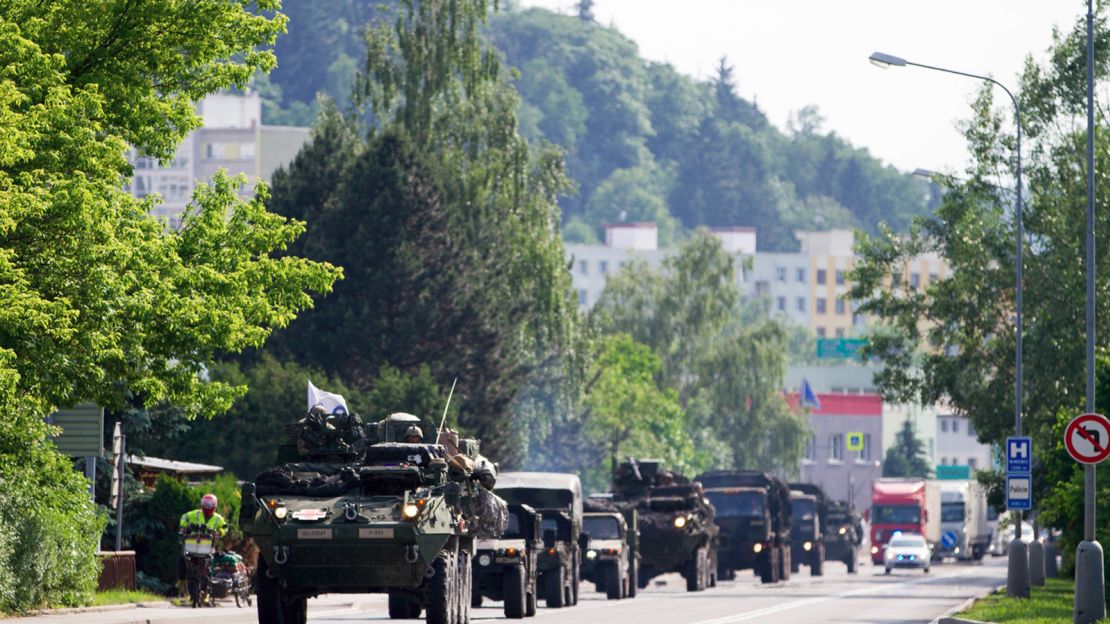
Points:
(807, 545)
(679, 522)
(757, 547)
(591, 554)
(484, 560)
(410, 511)
(280, 513)
(843, 530)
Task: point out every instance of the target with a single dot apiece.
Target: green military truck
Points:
(611, 560)
(808, 515)
(558, 497)
(506, 568)
(753, 512)
(361, 511)
(677, 529)
(843, 535)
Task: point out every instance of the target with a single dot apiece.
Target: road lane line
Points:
(748, 615)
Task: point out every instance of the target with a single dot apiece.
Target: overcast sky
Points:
(789, 54)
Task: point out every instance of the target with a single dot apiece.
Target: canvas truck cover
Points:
(542, 490)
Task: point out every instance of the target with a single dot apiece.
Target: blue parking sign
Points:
(1019, 455)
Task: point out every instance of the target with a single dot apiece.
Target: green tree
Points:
(100, 301)
(907, 458)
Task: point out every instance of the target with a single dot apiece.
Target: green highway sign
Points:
(840, 348)
(953, 473)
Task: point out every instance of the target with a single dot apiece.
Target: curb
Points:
(156, 604)
(948, 616)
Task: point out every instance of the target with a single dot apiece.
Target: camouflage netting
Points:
(489, 514)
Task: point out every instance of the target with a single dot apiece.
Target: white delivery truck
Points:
(965, 531)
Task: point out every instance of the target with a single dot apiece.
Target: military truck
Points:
(807, 527)
(843, 535)
(612, 561)
(677, 530)
(753, 511)
(376, 515)
(506, 568)
(558, 497)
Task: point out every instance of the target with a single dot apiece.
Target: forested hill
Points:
(642, 141)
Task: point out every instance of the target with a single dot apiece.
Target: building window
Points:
(780, 274)
(822, 274)
(896, 278)
(971, 463)
(800, 274)
(944, 425)
(932, 277)
(970, 430)
(821, 305)
(955, 426)
(840, 277)
(583, 267)
(915, 280)
(840, 306)
(782, 304)
(836, 447)
(943, 461)
(811, 448)
(840, 332)
(865, 452)
(603, 266)
(820, 332)
(582, 296)
(801, 304)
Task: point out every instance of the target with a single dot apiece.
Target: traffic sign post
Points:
(1087, 439)
(1019, 498)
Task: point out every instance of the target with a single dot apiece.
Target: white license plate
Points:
(375, 533)
(313, 533)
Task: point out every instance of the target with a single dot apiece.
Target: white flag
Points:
(331, 402)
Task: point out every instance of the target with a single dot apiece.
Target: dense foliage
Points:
(99, 301)
(642, 142)
(969, 315)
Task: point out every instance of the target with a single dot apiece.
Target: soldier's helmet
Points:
(414, 432)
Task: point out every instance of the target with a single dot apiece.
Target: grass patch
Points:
(1051, 604)
(123, 596)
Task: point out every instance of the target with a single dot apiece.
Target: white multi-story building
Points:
(958, 445)
(232, 138)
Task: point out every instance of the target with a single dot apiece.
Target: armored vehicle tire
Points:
(554, 582)
(697, 571)
(403, 607)
(851, 563)
(272, 606)
(475, 599)
(575, 581)
(795, 566)
(513, 591)
(530, 603)
(784, 563)
(466, 582)
(633, 577)
(817, 562)
(441, 591)
(768, 565)
(614, 584)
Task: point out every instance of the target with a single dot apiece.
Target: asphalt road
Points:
(870, 596)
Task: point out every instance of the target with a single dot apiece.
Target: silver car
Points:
(908, 551)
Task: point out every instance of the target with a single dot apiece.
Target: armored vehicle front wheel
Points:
(554, 582)
(273, 606)
(697, 571)
(531, 602)
(851, 563)
(614, 584)
(767, 565)
(513, 591)
(465, 587)
(403, 606)
(817, 563)
(784, 563)
(575, 581)
(442, 589)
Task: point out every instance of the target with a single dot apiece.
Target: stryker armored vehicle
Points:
(807, 527)
(843, 535)
(558, 497)
(505, 568)
(612, 560)
(677, 530)
(362, 511)
(753, 511)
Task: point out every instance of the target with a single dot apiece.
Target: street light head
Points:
(928, 174)
(882, 61)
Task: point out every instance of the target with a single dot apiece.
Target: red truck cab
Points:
(897, 505)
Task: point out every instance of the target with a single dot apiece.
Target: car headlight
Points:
(843, 530)
(806, 546)
(591, 554)
(484, 560)
(874, 549)
(679, 522)
(410, 511)
(280, 513)
(757, 547)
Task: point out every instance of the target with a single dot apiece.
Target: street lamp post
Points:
(1017, 578)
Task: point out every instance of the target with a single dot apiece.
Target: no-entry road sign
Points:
(1087, 438)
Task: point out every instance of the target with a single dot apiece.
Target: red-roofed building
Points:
(842, 473)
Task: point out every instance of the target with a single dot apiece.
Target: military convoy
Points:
(506, 568)
(753, 511)
(349, 510)
(558, 497)
(807, 527)
(843, 535)
(677, 528)
(612, 557)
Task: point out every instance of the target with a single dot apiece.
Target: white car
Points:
(1000, 544)
(908, 550)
